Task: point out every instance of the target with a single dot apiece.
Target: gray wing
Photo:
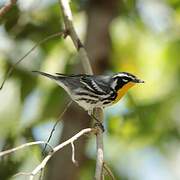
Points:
(100, 87)
(98, 84)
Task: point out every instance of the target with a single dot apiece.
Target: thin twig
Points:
(3, 153)
(7, 7)
(73, 154)
(109, 172)
(41, 176)
(55, 124)
(57, 148)
(10, 70)
(51, 133)
(22, 174)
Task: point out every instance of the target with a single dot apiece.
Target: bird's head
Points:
(124, 80)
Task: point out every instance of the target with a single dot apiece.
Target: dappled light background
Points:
(142, 130)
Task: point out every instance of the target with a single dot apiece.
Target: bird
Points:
(94, 91)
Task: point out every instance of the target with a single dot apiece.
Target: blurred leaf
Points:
(28, 82)
(9, 164)
(54, 103)
(10, 19)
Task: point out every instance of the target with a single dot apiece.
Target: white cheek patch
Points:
(114, 84)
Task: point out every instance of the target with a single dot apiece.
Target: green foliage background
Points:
(143, 130)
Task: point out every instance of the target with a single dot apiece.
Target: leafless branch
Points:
(51, 134)
(55, 124)
(3, 153)
(68, 21)
(22, 174)
(99, 147)
(55, 149)
(7, 7)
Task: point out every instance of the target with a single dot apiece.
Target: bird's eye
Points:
(124, 79)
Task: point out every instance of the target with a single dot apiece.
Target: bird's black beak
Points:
(138, 81)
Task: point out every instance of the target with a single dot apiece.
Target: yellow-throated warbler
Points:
(91, 91)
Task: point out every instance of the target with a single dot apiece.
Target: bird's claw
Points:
(99, 125)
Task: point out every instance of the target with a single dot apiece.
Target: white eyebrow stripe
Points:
(124, 75)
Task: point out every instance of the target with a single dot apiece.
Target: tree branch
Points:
(99, 148)
(68, 22)
(52, 152)
(57, 148)
(3, 153)
(67, 16)
(7, 7)
(55, 124)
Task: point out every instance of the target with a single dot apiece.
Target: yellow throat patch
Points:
(123, 90)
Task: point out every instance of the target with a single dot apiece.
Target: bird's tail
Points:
(60, 79)
(46, 74)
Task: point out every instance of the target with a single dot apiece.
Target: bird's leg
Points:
(98, 122)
